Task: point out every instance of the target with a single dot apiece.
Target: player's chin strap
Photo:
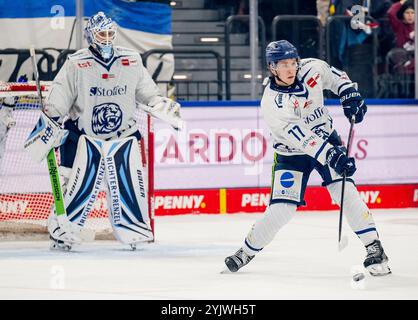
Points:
(276, 77)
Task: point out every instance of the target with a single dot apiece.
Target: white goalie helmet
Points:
(100, 32)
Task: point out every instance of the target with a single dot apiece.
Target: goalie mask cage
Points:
(25, 188)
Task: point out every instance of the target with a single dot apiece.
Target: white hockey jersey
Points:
(100, 98)
(296, 115)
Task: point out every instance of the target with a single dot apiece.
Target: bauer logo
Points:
(106, 118)
(103, 92)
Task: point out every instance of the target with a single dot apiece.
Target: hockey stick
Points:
(343, 240)
(86, 235)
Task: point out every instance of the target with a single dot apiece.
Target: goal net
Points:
(25, 189)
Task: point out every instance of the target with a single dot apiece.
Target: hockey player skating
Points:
(98, 89)
(305, 140)
(6, 121)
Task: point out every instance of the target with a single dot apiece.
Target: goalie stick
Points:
(85, 234)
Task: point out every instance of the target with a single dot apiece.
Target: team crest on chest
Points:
(106, 118)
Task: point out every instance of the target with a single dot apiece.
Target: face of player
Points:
(285, 70)
(409, 16)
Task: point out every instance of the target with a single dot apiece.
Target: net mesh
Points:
(25, 189)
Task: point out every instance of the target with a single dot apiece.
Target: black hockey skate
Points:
(238, 260)
(376, 261)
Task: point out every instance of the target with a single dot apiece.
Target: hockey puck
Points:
(358, 277)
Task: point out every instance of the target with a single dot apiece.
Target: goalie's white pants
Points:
(279, 214)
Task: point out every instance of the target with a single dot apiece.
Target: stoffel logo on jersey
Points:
(103, 92)
(106, 118)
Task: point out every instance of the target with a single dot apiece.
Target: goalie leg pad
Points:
(85, 180)
(127, 192)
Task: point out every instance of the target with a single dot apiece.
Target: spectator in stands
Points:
(402, 18)
(386, 36)
(322, 8)
(338, 7)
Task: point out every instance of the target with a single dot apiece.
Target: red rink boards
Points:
(221, 201)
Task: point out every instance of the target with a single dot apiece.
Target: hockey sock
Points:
(355, 211)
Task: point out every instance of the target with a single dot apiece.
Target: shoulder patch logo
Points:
(313, 81)
(86, 64)
(279, 100)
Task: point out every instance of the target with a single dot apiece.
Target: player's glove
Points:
(337, 160)
(353, 104)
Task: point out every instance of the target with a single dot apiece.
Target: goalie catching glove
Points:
(45, 136)
(166, 110)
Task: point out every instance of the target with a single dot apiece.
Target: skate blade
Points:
(226, 271)
(343, 243)
(379, 270)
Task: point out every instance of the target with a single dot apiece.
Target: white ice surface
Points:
(302, 262)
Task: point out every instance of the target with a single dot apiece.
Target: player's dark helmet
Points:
(280, 50)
